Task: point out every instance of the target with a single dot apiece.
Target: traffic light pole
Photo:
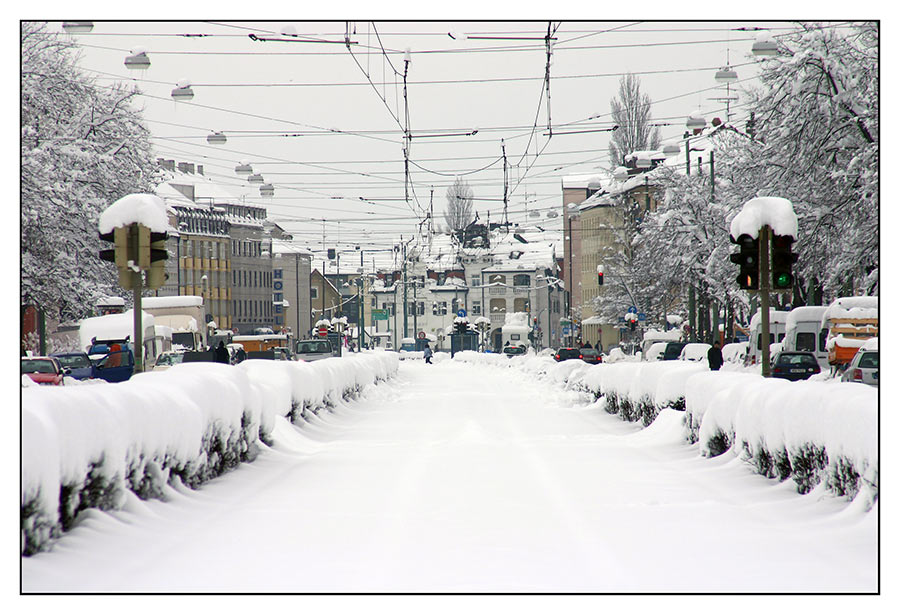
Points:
(764, 284)
(136, 286)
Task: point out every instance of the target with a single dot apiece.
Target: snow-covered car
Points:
(672, 351)
(735, 352)
(794, 365)
(696, 351)
(44, 370)
(313, 350)
(513, 350)
(591, 355)
(78, 364)
(167, 360)
(564, 354)
(864, 366)
(656, 350)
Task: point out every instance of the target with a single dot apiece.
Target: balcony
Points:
(498, 319)
(497, 290)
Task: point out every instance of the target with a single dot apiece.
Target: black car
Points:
(567, 353)
(591, 355)
(672, 351)
(792, 365)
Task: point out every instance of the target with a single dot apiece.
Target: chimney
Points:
(199, 169)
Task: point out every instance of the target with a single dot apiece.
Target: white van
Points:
(802, 332)
(777, 321)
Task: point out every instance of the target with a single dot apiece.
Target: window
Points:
(806, 342)
(521, 279)
(498, 306)
(438, 308)
(420, 308)
(521, 305)
(476, 281)
(476, 308)
(277, 297)
(314, 292)
(496, 278)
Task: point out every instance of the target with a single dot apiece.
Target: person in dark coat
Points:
(587, 345)
(714, 356)
(427, 353)
(222, 354)
(241, 355)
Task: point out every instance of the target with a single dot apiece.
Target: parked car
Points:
(655, 351)
(673, 351)
(78, 364)
(44, 370)
(591, 355)
(694, 352)
(863, 368)
(793, 365)
(313, 349)
(513, 350)
(564, 354)
(167, 360)
(736, 352)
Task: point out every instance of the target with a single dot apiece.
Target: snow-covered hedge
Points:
(812, 432)
(83, 446)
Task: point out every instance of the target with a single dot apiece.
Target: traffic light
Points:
(332, 254)
(120, 254)
(748, 260)
(783, 260)
(599, 275)
(156, 274)
(461, 326)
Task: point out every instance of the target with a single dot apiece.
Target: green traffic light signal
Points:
(782, 280)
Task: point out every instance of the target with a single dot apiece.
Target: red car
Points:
(43, 370)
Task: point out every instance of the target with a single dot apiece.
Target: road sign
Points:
(642, 316)
(379, 314)
(461, 313)
(565, 330)
(632, 310)
(323, 331)
(421, 335)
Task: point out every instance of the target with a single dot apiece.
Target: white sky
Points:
(271, 89)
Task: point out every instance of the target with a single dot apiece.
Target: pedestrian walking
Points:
(241, 355)
(714, 356)
(427, 353)
(222, 354)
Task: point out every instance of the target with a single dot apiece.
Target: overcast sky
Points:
(323, 124)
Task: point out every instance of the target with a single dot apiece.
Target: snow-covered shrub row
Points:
(811, 432)
(83, 446)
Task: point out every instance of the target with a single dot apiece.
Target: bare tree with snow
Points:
(460, 206)
(630, 112)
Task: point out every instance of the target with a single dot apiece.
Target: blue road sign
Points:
(642, 316)
(565, 330)
(461, 313)
(632, 310)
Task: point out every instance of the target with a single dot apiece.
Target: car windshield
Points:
(869, 359)
(170, 359)
(74, 360)
(37, 366)
(304, 348)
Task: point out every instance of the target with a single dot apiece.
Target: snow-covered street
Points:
(461, 478)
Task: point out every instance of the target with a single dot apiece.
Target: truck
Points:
(846, 326)
(313, 349)
(108, 341)
(257, 343)
(185, 314)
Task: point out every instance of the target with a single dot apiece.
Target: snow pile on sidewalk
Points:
(812, 432)
(83, 447)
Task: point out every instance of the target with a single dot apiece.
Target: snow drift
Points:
(814, 432)
(84, 446)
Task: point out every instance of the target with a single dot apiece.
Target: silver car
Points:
(863, 368)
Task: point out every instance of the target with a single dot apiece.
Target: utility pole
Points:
(764, 235)
(712, 175)
(136, 286)
(505, 189)
(405, 306)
